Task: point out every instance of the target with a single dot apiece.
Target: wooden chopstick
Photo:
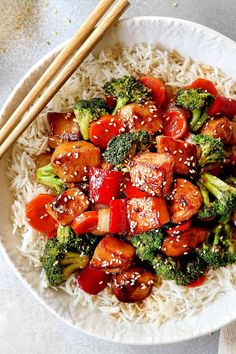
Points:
(74, 43)
(65, 73)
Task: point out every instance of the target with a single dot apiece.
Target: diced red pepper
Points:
(85, 222)
(119, 223)
(92, 281)
(223, 106)
(175, 124)
(104, 129)
(205, 85)
(131, 191)
(157, 87)
(197, 282)
(104, 185)
(178, 229)
(52, 234)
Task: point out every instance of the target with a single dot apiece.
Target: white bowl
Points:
(189, 39)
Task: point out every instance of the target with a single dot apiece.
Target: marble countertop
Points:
(28, 30)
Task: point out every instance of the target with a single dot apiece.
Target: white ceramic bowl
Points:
(190, 39)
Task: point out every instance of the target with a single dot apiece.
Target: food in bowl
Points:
(138, 200)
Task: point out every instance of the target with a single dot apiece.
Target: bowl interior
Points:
(189, 39)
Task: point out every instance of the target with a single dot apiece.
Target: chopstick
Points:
(17, 126)
(74, 43)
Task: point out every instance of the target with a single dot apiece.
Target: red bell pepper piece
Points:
(175, 123)
(104, 185)
(104, 129)
(205, 85)
(131, 191)
(119, 223)
(178, 229)
(157, 87)
(197, 282)
(223, 106)
(92, 281)
(85, 222)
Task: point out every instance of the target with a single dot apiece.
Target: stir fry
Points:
(142, 187)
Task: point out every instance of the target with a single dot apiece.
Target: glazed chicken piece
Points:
(185, 154)
(43, 159)
(65, 207)
(142, 117)
(153, 173)
(135, 284)
(178, 245)
(63, 128)
(219, 128)
(71, 161)
(146, 214)
(186, 200)
(113, 255)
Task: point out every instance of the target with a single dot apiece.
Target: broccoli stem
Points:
(121, 102)
(196, 113)
(200, 121)
(217, 233)
(214, 185)
(205, 194)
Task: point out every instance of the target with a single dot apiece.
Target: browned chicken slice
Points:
(65, 207)
(71, 161)
(178, 245)
(185, 154)
(218, 128)
(135, 284)
(63, 128)
(113, 255)
(186, 200)
(153, 173)
(142, 117)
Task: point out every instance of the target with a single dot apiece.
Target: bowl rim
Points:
(8, 101)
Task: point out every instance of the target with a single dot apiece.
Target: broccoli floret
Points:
(66, 253)
(183, 270)
(197, 101)
(209, 209)
(46, 176)
(147, 244)
(125, 146)
(225, 194)
(126, 90)
(60, 264)
(212, 149)
(218, 250)
(84, 244)
(87, 111)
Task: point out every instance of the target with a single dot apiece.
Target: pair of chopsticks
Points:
(65, 64)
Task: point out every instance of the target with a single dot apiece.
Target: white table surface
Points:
(28, 30)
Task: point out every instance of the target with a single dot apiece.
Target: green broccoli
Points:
(66, 253)
(46, 175)
(218, 250)
(183, 270)
(212, 149)
(60, 264)
(85, 244)
(125, 146)
(126, 90)
(225, 194)
(209, 209)
(197, 101)
(147, 244)
(87, 111)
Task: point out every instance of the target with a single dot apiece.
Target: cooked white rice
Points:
(169, 301)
